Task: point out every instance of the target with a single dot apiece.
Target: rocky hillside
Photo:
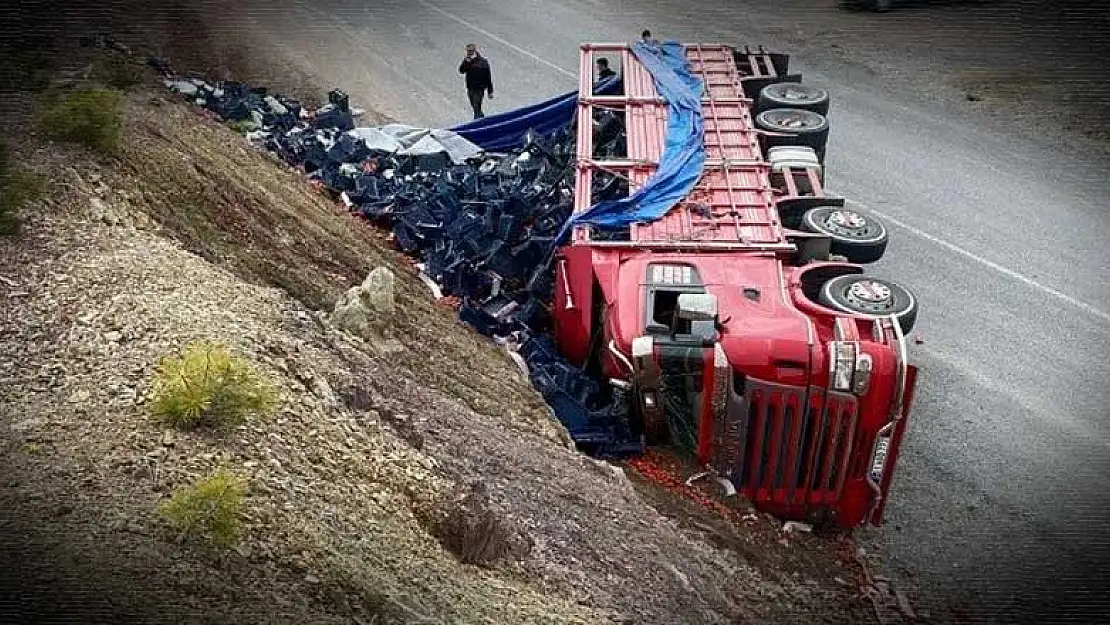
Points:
(406, 472)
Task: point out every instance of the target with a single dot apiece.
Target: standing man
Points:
(603, 71)
(646, 38)
(478, 79)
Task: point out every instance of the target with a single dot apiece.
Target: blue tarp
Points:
(680, 166)
(505, 131)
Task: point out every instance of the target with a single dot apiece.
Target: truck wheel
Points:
(864, 295)
(810, 129)
(858, 238)
(794, 96)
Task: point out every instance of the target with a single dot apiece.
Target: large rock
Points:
(367, 309)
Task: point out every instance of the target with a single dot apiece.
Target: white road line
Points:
(499, 40)
(921, 233)
(983, 261)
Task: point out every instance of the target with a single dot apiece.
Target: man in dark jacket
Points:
(478, 79)
(603, 71)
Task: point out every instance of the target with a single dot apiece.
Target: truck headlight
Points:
(843, 365)
(851, 368)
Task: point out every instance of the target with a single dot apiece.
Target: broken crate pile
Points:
(483, 225)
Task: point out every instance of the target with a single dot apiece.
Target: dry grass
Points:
(474, 532)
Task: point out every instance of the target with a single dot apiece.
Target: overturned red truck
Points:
(741, 322)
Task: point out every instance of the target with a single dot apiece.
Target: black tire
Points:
(808, 128)
(793, 95)
(859, 238)
(838, 294)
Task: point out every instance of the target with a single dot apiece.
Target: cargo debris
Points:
(482, 224)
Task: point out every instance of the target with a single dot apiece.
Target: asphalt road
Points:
(1001, 496)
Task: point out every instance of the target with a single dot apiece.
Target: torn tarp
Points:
(683, 156)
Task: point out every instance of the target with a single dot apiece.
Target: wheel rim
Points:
(870, 296)
(848, 224)
(847, 219)
(793, 120)
(795, 95)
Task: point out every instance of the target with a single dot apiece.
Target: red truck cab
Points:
(736, 330)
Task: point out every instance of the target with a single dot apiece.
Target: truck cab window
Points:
(664, 306)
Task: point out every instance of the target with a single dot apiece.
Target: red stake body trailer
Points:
(730, 314)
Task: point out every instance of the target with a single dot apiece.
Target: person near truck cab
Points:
(479, 81)
(603, 71)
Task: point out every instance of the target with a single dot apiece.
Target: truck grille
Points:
(778, 447)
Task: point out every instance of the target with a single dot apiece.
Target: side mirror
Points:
(643, 347)
(697, 307)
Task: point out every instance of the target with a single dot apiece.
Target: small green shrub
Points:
(119, 72)
(209, 509)
(90, 117)
(17, 187)
(207, 386)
